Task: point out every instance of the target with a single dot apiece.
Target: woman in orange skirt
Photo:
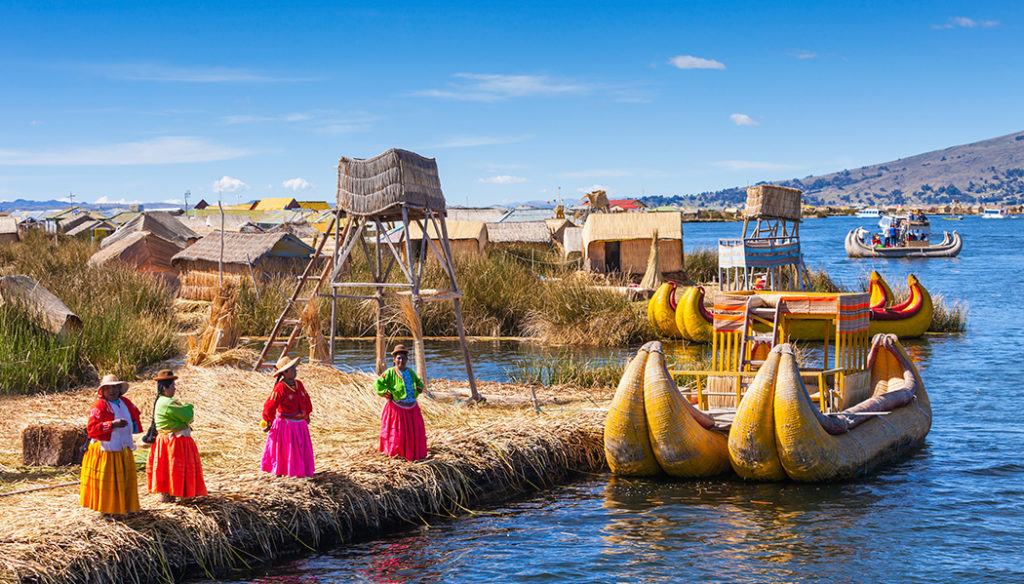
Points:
(109, 481)
(173, 469)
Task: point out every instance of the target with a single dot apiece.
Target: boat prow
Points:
(809, 446)
(651, 427)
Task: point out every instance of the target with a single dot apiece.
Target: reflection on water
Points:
(951, 512)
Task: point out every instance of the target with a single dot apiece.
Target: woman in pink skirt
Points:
(401, 424)
(289, 450)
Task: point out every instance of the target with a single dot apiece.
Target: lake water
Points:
(953, 512)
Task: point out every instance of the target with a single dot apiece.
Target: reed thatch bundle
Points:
(652, 277)
(476, 454)
(221, 332)
(319, 349)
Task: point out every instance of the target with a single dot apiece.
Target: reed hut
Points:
(95, 230)
(523, 234)
(159, 223)
(557, 228)
(8, 230)
(621, 242)
(246, 255)
(467, 238)
(277, 204)
(145, 252)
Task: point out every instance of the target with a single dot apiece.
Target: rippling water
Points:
(953, 512)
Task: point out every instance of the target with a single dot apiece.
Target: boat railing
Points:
(833, 382)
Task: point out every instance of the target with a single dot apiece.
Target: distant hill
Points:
(990, 171)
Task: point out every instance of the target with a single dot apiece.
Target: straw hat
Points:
(284, 364)
(165, 375)
(111, 380)
(399, 349)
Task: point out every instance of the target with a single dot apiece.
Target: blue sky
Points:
(132, 101)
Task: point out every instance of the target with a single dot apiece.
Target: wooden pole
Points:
(220, 260)
(474, 394)
(416, 327)
(334, 291)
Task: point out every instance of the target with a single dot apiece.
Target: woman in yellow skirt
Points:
(109, 482)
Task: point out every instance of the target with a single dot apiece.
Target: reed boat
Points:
(780, 433)
(858, 246)
(694, 322)
(651, 428)
(661, 311)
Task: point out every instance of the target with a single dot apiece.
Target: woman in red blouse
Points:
(286, 412)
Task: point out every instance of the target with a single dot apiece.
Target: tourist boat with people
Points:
(870, 212)
(901, 236)
(782, 416)
(993, 214)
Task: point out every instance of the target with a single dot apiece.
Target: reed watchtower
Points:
(397, 188)
(770, 246)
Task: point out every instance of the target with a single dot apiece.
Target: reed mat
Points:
(477, 454)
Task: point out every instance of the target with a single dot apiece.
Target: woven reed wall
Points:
(633, 256)
(773, 201)
(199, 279)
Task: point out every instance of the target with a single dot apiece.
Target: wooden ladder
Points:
(290, 316)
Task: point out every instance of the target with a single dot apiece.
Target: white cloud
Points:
(592, 188)
(490, 87)
(173, 201)
(35, 123)
(297, 184)
(465, 141)
(324, 121)
(227, 184)
(502, 179)
(744, 120)
(122, 201)
(964, 22)
(691, 62)
(805, 55)
(198, 74)
(596, 173)
(165, 150)
(753, 165)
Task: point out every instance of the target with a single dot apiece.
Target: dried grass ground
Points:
(477, 454)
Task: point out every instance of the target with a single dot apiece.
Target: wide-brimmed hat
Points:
(284, 364)
(165, 375)
(399, 349)
(111, 380)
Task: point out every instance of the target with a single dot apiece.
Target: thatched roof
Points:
(457, 230)
(87, 226)
(231, 222)
(627, 226)
(69, 222)
(300, 229)
(480, 214)
(8, 225)
(519, 232)
(159, 223)
(383, 184)
(138, 249)
(242, 248)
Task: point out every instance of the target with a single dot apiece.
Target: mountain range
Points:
(988, 172)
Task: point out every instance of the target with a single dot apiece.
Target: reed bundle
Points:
(319, 350)
(652, 277)
(221, 331)
(476, 455)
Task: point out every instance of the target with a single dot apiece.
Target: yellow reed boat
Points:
(651, 428)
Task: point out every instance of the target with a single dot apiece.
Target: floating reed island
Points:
(478, 454)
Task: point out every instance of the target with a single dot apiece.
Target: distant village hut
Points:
(246, 255)
(159, 223)
(145, 252)
(466, 239)
(621, 242)
(520, 235)
(8, 230)
(572, 243)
